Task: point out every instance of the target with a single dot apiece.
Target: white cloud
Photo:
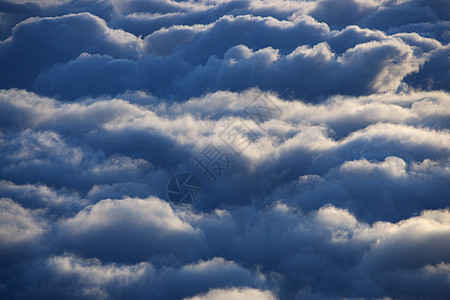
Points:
(235, 294)
(18, 224)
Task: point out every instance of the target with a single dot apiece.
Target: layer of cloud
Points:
(232, 51)
(363, 259)
(397, 141)
(359, 184)
(90, 279)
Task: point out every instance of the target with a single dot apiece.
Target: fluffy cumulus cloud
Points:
(309, 142)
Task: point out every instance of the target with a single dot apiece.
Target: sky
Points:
(218, 149)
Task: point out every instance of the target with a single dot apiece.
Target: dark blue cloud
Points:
(79, 77)
(171, 61)
(38, 43)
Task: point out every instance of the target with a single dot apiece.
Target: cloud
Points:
(22, 232)
(57, 202)
(343, 132)
(24, 227)
(340, 242)
(281, 237)
(268, 70)
(389, 62)
(150, 227)
(199, 42)
(182, 61)
(118, 76)
(235, 294)
(383, 15)
(345, 13)
(91, 279)
(434, 75)
(27, 50)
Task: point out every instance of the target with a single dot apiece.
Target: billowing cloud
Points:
(22, 232)
(235, 294)
(234, 52)
(37, 43)
(315, 136)
(155, 229)
(90, 279)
